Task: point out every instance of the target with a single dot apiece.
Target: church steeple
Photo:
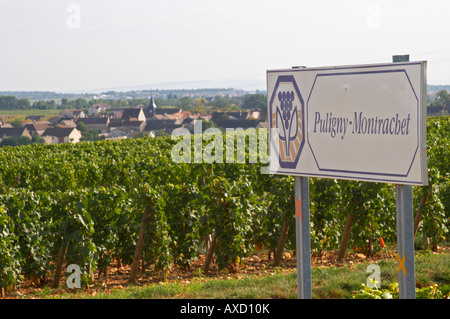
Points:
(152, 107)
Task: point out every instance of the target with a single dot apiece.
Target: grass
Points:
(273, 286)
(24, 113)
(334, 282)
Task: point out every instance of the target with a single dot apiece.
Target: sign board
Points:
(360, 122)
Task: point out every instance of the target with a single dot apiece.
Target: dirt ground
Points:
(257, 264)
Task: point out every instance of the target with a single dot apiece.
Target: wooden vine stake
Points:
(419, 213)
(210, 254)
(346, 236)
(139, 246)
(60, 261)
(281, 241)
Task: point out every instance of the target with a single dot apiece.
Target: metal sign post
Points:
(405, 242)
(302, 235)
(405, 231)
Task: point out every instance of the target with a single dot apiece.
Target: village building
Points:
(161, 124)
(67, 123)
(12, 131)
(133, 114)
(134, 125)
(234, 124)
(118, 133)
(167, 110)
(97, 108)
(5, 124)
(37, 128)
(73, 114)
(95, 123)
(59, 135)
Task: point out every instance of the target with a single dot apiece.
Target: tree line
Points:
(442, 98)
(200, 104)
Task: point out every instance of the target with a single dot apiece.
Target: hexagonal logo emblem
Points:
(286, 121)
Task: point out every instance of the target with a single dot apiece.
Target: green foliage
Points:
(325, 207)
(442, 98)
(10, 102)
(255, 101)
(280, 207)
(16, 141)
(16, 123)
(37, 139)
(373, 205)
(183, 212)
(9, 251)
(375, 293)
(44, 105)
(430, 292)
(230, 215)
(22, 140)
(436, 211)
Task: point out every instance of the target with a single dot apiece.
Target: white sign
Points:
(361, 122)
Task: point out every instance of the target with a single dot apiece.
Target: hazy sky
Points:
(64, 46)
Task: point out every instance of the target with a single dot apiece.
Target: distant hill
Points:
(43, 95)
(437, 88)
(124, 95)
(161, 92)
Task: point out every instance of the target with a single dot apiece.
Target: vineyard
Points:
(93, 203)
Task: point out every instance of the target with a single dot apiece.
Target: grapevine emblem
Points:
(286, 121)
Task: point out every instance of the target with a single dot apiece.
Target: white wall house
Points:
(97, 108)
(60, 135)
